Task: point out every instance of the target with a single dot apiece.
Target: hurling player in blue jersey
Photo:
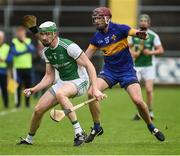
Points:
(111, 38)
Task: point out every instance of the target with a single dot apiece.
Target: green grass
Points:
(121, 136)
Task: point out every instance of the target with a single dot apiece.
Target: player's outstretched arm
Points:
(138, 33)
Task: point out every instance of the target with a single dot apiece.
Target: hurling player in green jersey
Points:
(143, 52)
(75, 74)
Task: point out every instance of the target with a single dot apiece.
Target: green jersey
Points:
(63, 58)
(139, 44)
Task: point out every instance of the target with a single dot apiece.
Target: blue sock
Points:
(151, 127)
(97, 126)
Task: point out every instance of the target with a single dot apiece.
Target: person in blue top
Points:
(22, 50)
(111, 39)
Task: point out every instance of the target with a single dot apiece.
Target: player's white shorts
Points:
(145, 73)
(82, 86)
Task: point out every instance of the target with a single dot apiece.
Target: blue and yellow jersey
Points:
(114, 45)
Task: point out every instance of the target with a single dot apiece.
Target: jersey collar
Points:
(110, 26)
(56, 45)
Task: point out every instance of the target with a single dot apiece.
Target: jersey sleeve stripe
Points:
(64, 45)
(79, 55)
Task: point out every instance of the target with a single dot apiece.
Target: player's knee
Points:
(138, 101)
(60, 95)
(38, 111)
(149, 90)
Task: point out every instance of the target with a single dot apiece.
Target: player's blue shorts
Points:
(124, 78)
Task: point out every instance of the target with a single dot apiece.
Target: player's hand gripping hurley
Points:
(58, 115)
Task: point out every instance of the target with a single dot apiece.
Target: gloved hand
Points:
(142, 35)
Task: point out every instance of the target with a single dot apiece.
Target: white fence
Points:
(167, 70)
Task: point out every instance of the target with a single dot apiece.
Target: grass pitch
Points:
(121, 134)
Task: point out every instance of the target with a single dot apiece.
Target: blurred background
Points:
(73, 18)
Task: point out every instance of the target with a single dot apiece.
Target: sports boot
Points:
(79, 138)
(24, 141)
(94, 133)
(158, 134)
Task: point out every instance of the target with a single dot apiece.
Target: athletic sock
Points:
(97, 125)
(150, 111)
(29, 138)
(151, 127)
(77, 127)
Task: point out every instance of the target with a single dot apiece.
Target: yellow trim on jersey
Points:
(92, 47)
(115, 47)
(132, 32)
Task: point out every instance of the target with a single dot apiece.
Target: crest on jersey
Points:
(113, 37)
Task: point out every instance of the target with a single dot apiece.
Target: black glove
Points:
(142, 35)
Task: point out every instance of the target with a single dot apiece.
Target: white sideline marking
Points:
(8, 112)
